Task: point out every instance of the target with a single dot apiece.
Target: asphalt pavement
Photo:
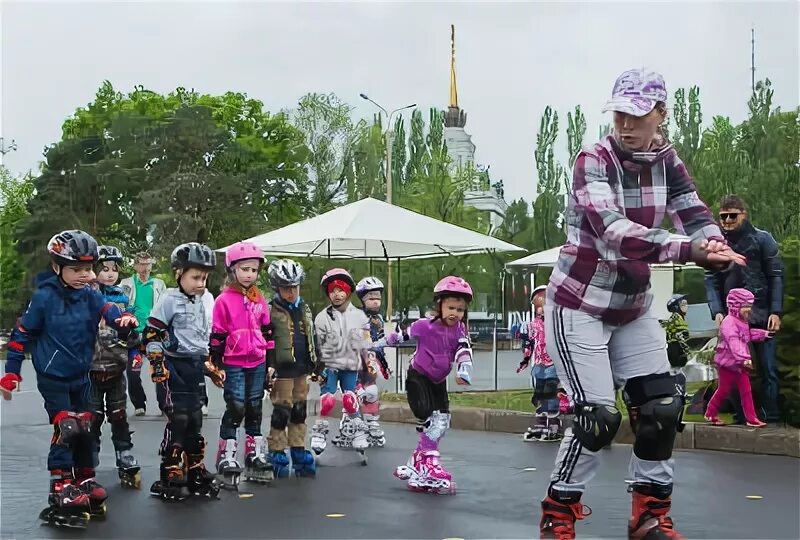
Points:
(500, 481)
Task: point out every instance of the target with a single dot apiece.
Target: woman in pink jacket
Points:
(733, 357)
(240, 336)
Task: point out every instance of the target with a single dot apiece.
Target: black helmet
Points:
(193, 255)
(109, 253)
(674, 303)
(70, 248)
(285, 273)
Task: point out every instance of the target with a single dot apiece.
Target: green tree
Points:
(549, 204)
(14, 195)
(688, 117)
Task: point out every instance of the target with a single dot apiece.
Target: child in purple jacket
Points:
(733, 357)
(240, 336)
(442, 340)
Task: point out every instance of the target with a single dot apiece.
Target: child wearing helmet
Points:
(241, 335)
(176, 340)
(732, 357)
(343, 336)
(677, 330)
(442, 341)
(292, 360)
(369, 291)
(59, 329)
(109, 398)
(547, 425)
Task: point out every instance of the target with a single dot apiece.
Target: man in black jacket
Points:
(763, 276)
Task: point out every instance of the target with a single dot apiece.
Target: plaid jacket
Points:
(613, 217)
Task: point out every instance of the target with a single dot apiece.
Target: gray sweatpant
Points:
(593, 359)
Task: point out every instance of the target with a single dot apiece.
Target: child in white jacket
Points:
(343, 336)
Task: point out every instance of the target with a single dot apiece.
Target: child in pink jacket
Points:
(241, 333)
(733, 357)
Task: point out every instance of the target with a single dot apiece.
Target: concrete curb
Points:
(775, 441)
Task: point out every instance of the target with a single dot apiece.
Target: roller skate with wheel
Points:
(67, 505)
(227, 467)
(537, 431)
(375, 435)
(319, 436)
(353, 434)
(650, 513)
(552, 432)
(560, 511)
(279, 462)
(128, 469)
(84, 478)
(303, 463)
(428, 475)
(256, 465)
(171, 486)
(199, 480)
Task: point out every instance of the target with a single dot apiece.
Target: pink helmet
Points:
(738, 298)
(452, 286)
(334, 274)
(242, 251)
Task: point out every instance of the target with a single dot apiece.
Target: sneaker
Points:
(756, 424)
(205, 410)
(139, 412)
(714, 420)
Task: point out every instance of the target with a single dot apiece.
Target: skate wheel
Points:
(98, 512)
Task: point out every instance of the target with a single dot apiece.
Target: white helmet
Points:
(285, 273)
(368, 284)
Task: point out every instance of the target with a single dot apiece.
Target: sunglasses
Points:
(732, 216)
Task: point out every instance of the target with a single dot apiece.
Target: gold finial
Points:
(453, 90)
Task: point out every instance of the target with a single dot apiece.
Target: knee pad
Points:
(326, 403)
(419, 399)
(235, 410)
(545, 389)
(70, 427)
(253, 412)
(595, 425)
(371, 408)
(298, 414)
(437, 425)
(350, 402)
(280, 416)
(369, 394)
(117, 415)
(655, 406)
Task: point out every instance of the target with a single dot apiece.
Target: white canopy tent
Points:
(661, 281)
(373, 229)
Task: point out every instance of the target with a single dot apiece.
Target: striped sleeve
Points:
(599, 203)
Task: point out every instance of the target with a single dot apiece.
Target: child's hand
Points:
(748, 364)
(127, 320)
(461, 382)
(524, 363)
(8, 384)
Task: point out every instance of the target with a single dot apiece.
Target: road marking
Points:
(529, 469)
(754, 497)
(335, 516)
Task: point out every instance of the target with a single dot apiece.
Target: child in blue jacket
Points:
(59, 330)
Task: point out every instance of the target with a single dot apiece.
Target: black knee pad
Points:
(595, 425)
(71, 428)
(280, 416)
(419, 398)
(235, 410)
(254, 412)
(298, 415)
(545, 388)
(655, 406)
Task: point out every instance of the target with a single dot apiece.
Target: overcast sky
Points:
(512, 60)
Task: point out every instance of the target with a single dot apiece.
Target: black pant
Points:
(425, 396)
(109, 400)
(185, 391)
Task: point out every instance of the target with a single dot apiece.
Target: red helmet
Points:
(452, 286)
(242, 251)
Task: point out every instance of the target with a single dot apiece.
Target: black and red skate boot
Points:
(649, 516)
(171, 485)
(85, 480)
(198, 479)
(67, 506)
(560, 511)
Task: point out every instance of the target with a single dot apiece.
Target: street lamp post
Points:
(389, 136)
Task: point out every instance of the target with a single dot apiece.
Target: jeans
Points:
(766, 361)
(73, 396)
(244, 394)
(542, 378)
